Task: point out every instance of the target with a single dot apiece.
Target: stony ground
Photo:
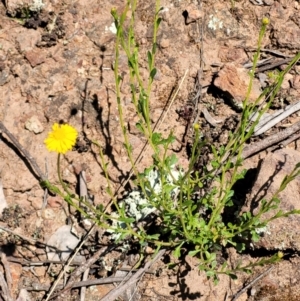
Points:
(56, 66)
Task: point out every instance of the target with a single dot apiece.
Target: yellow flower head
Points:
(280, 254)
(265, 21)
(61, 139)
(196, 126)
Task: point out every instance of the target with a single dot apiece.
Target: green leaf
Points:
(193, 253)
(156, 138)
(154, 46)
(176, 252)
(153, 73)
(240, 247)
(153, 237)
(254, 236)
(119, 78)
(208, 255)
(222, 150)
(213, 264)
(171, 160)
(127, 220)
(100, 208)
(158, 21)
(150, 59)
(215, 164)
(139, 127)
(241, 175)
(187, 203)
(210, 274)
(232, 276)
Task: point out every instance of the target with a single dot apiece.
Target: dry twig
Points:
(271, 120)
(269, 141)
(26, 154)
(274, 65)
(5, 290)
(44, 287)
(7, 271)
(238, 294)
(83, 289)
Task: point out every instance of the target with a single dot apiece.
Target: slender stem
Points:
(63, 184)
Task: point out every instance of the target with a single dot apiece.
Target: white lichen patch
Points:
(263, 230)
(138, 206)
(112, 28)
(155, 180)
(214, 23)
(36, 5)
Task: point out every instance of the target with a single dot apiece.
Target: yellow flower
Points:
(61, 139)
(196, 126)
(265, 21)
(280, 254)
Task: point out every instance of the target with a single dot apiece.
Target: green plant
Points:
(187, 220)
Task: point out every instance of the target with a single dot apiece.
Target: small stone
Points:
(296, 82)
(81, 71)
(35, 57)
(3, 202)
(268, 2)
(54, 202)
(149, 250)
(61, 244)
(40, 271)
(23, 295)
(262, 79)
(4, 77)
(157, 75)
(286, 81)
(34, 125)
(193, 13)
(165, 43)
(49, 214)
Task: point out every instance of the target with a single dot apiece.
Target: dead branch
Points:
(7, 271)
(5, 290)
(240, 292)
(44, 287)
(269, 141)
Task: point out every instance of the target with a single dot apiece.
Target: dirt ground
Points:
(57, 66)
